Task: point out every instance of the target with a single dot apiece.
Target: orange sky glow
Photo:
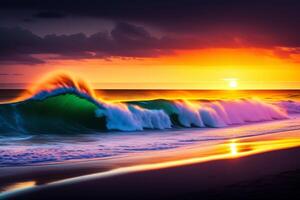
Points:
(208, 68)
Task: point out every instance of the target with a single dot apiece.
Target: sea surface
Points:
(69, 122)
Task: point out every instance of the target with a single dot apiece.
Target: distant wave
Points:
(65, 105)
(290, 106)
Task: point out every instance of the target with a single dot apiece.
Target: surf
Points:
(64, 104)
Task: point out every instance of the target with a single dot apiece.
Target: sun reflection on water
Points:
(233, 148)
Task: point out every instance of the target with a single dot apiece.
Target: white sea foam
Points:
(16, 151)
(224, 113)
(290, 106)
(126, 117)
(133, 118)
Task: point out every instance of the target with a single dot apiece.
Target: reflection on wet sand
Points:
(233, 148)
(17, 187)
(230, 149)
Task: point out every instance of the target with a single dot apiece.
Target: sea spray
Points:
(64, 104)
(125, 117)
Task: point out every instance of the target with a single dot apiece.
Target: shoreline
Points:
(199, 179)
(43, 178)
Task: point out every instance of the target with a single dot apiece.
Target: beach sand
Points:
(265, 167)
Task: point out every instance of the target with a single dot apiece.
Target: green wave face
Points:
(74, 112)
(65, 112)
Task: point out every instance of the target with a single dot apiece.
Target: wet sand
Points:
(240, 169)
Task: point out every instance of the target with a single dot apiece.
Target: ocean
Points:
(68, 123)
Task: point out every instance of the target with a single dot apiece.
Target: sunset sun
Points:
(233, 83)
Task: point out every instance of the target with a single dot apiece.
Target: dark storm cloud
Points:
(15, 45)
(17, 58)
(182, 23)
(22, 46)
(173, 14)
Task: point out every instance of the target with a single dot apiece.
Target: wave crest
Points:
(224, 113)
(63, 102)
(60, 84)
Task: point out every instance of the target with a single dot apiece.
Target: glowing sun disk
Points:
(233, 84)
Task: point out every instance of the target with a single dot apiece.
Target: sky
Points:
(152, 44)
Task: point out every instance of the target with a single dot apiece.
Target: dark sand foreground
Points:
(261, 175)
(267, 175)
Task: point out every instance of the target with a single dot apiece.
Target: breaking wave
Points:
(66, 105)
